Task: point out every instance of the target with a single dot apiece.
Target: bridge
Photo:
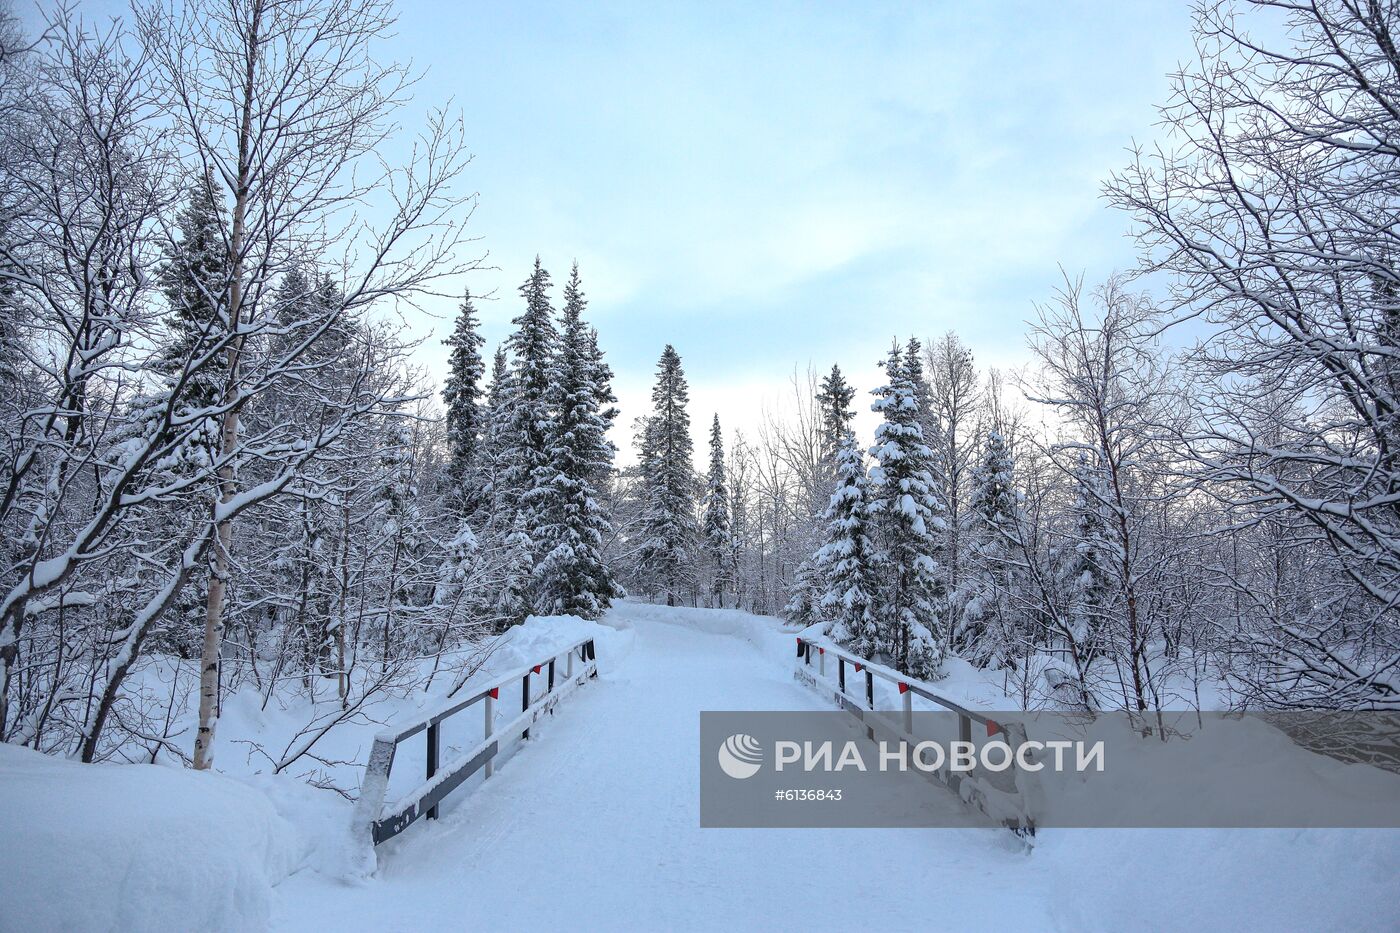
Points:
(594, 821)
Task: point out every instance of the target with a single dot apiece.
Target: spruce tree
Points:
(834, 397)
(195, 279)
(571, 576)
(1084, 577)
(984, 631)
(668, 515)
(464, 418)
(910, 519)
(513, 595)
(494, 443)
(719, 541)
(848, 559)
(526, 478)
(808, 583)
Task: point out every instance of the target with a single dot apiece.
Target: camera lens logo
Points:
(740, 756)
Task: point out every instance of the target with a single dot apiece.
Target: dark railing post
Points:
(551, 675)
(432, 762)
(869, 688)
(841, 673)
(525, 700)
(964, 728)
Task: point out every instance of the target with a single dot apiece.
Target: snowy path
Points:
(594, 825)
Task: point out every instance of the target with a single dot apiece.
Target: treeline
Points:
(1192, 493)
(220, 470)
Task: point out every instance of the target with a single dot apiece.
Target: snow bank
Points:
(1221, 879)
(771, 636)
(541, 636)
(135, 847)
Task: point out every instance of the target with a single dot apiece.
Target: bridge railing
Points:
(579, 663)
(1007, 797)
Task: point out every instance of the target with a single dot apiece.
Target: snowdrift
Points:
(135, 847)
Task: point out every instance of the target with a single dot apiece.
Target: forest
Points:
(223, 471)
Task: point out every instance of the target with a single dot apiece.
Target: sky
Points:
(769, 186)
(772, 186)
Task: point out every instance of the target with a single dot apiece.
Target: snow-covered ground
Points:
(594, 825)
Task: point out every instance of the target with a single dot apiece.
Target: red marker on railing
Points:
(536, 668)
(992, 728)
(857, 667)
(495, 693)
(903, 687)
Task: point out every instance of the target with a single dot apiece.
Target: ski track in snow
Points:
(594, 825)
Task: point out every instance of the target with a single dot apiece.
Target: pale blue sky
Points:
(766, 185)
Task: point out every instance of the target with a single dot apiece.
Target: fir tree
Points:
(462, 395)
(513, 598)
(984, 632)
(668, 519)
(526, 477)
(719, 542)
(494, 446)
(571, 576)
(848, 560)
(834, 398)
(1084, 577)
(808, 584)
(910, 519)
(195, 278)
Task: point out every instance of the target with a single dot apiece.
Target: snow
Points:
(593, 824)
(135, 847)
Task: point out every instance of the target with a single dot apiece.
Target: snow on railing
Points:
(1007, 797)
(384, 823)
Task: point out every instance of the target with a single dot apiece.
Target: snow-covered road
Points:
(594, 825)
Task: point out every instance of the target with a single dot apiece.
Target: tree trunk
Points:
(228, 433)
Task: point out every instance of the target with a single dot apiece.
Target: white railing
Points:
(1006, 797)
(386, 822)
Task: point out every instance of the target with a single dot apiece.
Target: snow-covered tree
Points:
(835, 398)
(668, 529)
(985, 630)
(715, 524)
(909, 513)
(1085, 578)
(571, 576)
(848, 559)
(957, 409)
(195, 280)
(526, 478)
(495, 446)
(461, 393)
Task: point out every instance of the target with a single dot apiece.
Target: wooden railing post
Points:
(432, 813)
(821, 661)
(964, 728)
(841, 674)
(525, 699)
(551, 676)
(490, 706)
(869, 688)
(908, 710)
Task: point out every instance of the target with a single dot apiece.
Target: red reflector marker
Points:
(992, 728)
(495, 693)
(857, 668)
(903, 688)
(821, 651)
(536, 668)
